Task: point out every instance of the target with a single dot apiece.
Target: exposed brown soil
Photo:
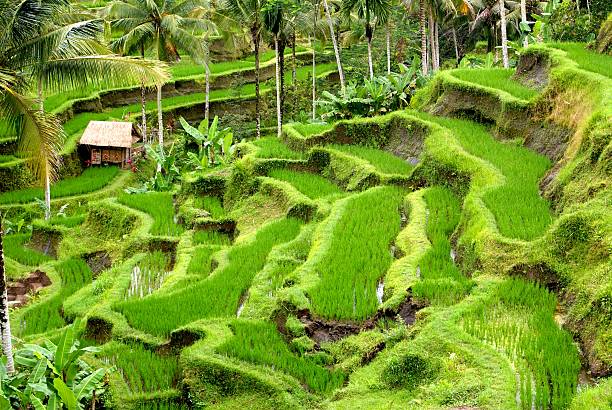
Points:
(321, 330)
(45, 242)
(98, 261)
(226, 227)
(178, 341)
(532, 70)
(406, 143)
(98, 329)
(20, 291)
(541, 273)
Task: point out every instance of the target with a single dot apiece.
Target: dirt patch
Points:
(405, 141)
(540, 273)
(532, 70)
(321, 330)
(226, 227)
(98, 329)
(19, 292)
(548, 139)
(98, 261)
(46, 242)
(178, 341)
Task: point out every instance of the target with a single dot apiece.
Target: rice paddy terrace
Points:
(452, 255)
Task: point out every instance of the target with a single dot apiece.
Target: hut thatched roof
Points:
(108, 134)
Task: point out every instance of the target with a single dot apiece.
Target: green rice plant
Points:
(358, 256)
(44, 316)
(201, 261)
(311, 185)
(212, 205)
(143, 370)
(149, 274)
(586, 59)
(209, 237)
(7, 158)
(92, 179)
(260, 343)
(272, 147)
(161, 208)
(519, 209)
(162, 405)
(498, 78)
(14, 248)
(441, 280)
(312, 128)
(383, 161)
(68, 221)
(518, 319)
(218, 295)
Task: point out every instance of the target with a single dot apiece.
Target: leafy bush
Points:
(409, 370)
(571, 22)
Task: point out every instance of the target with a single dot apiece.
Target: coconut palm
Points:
(504, 35)
(45, 47)
(330, 22)
(368, 11)
(273, 19)
(5, 323)
(410, 4)
(163, 26)
(248, 13)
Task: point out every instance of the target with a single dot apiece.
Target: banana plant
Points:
(168, 172)
(209, 140)
(52, 376)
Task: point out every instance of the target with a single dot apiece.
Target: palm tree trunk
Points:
(143, 106)
(437, 41)
(524, 21)
(207, 90)
(160, 118)
(255, 35)
(335, 43)
(504, 37)
(5, 323)
(422, 24)
(294, 72)
(432, 48)
(281, 66)
(455, 43)
(369, 33)
(314, 79)
(143, 102)
(279, 118)
(41, 107)
(388, 49)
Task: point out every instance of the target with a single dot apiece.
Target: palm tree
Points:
(273, 13)
(504, 35)
(43, 48)
(164, 26)
(368, 10)
(5, 323)
(248, 13)
(330, 22)
(524, 23)
(409, 4)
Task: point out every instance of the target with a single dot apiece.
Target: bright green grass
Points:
(149, 274)
(216, 296)
(47, 315)
(498, 78)
(92, 179)
(518, 319)
(587, 59)
(160, 206)
(201, 261)
(7, 158)
(311, 185)
(209, 237)
(441, 281)
(68, 221)
(383, 161)
(212, 205)
(142, 370)
(14, 248)
(260, 343)
(272, 147)
(312, 129)
(358, 256)
(519, 209)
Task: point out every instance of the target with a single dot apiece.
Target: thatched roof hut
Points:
(108, 142)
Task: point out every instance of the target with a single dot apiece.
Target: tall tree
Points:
(165, 27)
(330, 22)
(524, 23)
(504, 35)
(409, 4)
(249, 13)
(5, 323)
(274, 14)
(369, 10)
